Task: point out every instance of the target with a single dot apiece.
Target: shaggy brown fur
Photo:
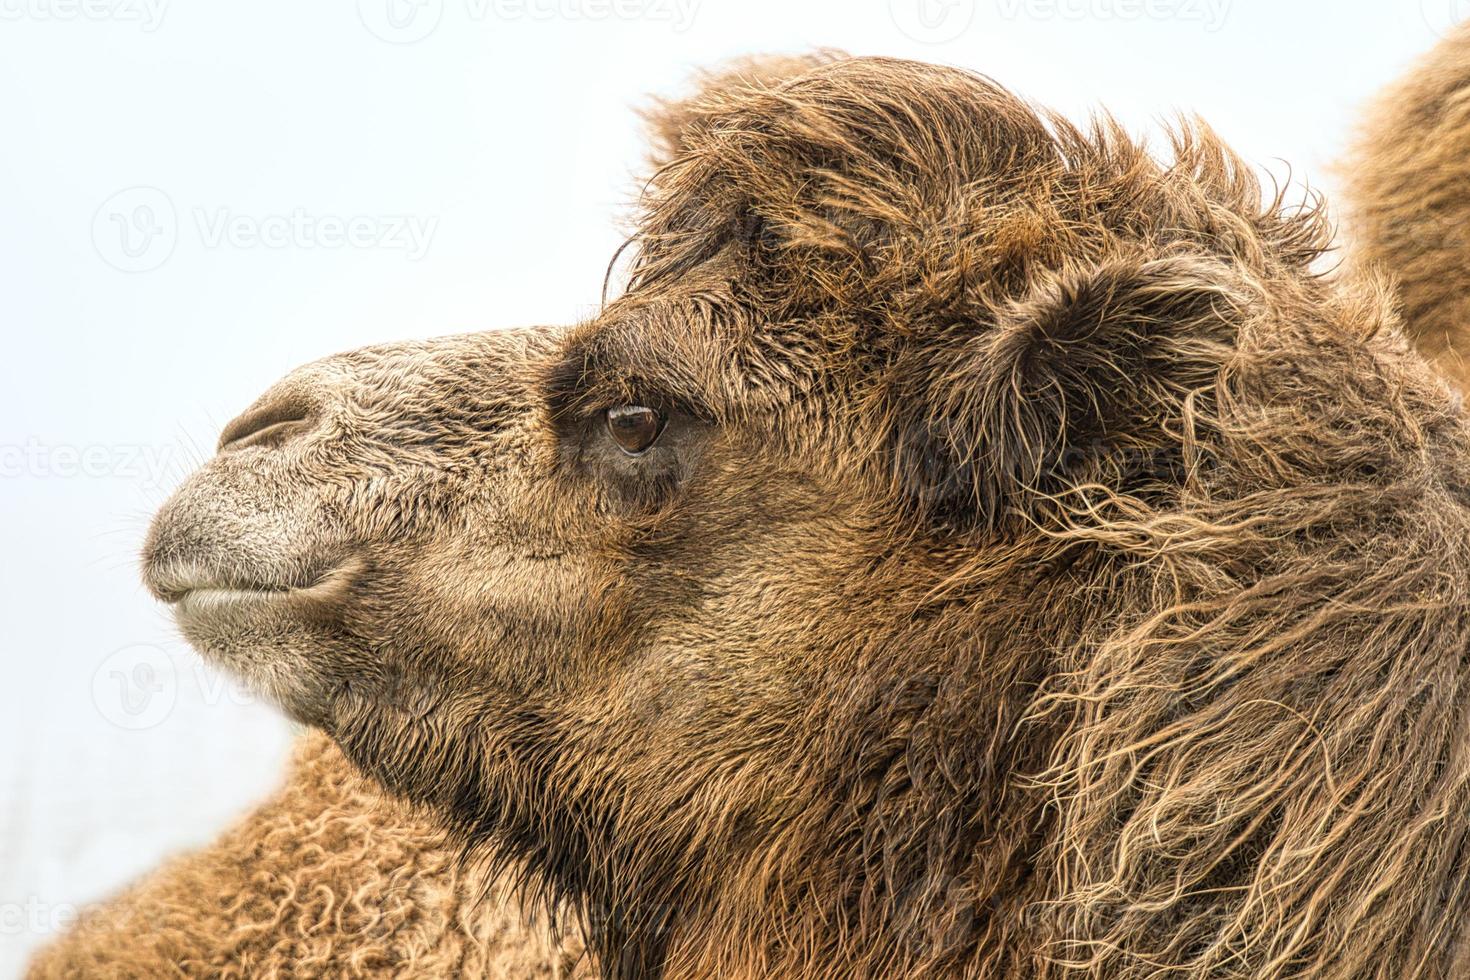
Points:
(1039, 571)
(325, 879)
(1409, 206)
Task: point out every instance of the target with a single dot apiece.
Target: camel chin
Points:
(252, 623)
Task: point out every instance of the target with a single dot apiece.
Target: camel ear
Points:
(1085, 379)
(672, 122)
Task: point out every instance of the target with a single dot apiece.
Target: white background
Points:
(176, 178)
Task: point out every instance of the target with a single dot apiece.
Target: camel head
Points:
(781, 619)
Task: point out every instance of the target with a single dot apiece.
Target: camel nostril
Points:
(272, 424)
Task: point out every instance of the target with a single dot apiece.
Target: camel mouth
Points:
(206, 602)
(196, 596)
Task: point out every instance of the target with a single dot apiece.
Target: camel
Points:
(326, 878)
(1408, 209)
(968, 547)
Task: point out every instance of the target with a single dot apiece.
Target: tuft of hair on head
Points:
(671, 122)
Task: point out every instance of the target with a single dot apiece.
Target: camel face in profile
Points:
(969, 547)
(487, 533)
(454, 555)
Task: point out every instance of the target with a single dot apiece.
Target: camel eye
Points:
(634, 427)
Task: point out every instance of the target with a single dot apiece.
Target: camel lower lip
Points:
(209, 602)
(205, 600)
